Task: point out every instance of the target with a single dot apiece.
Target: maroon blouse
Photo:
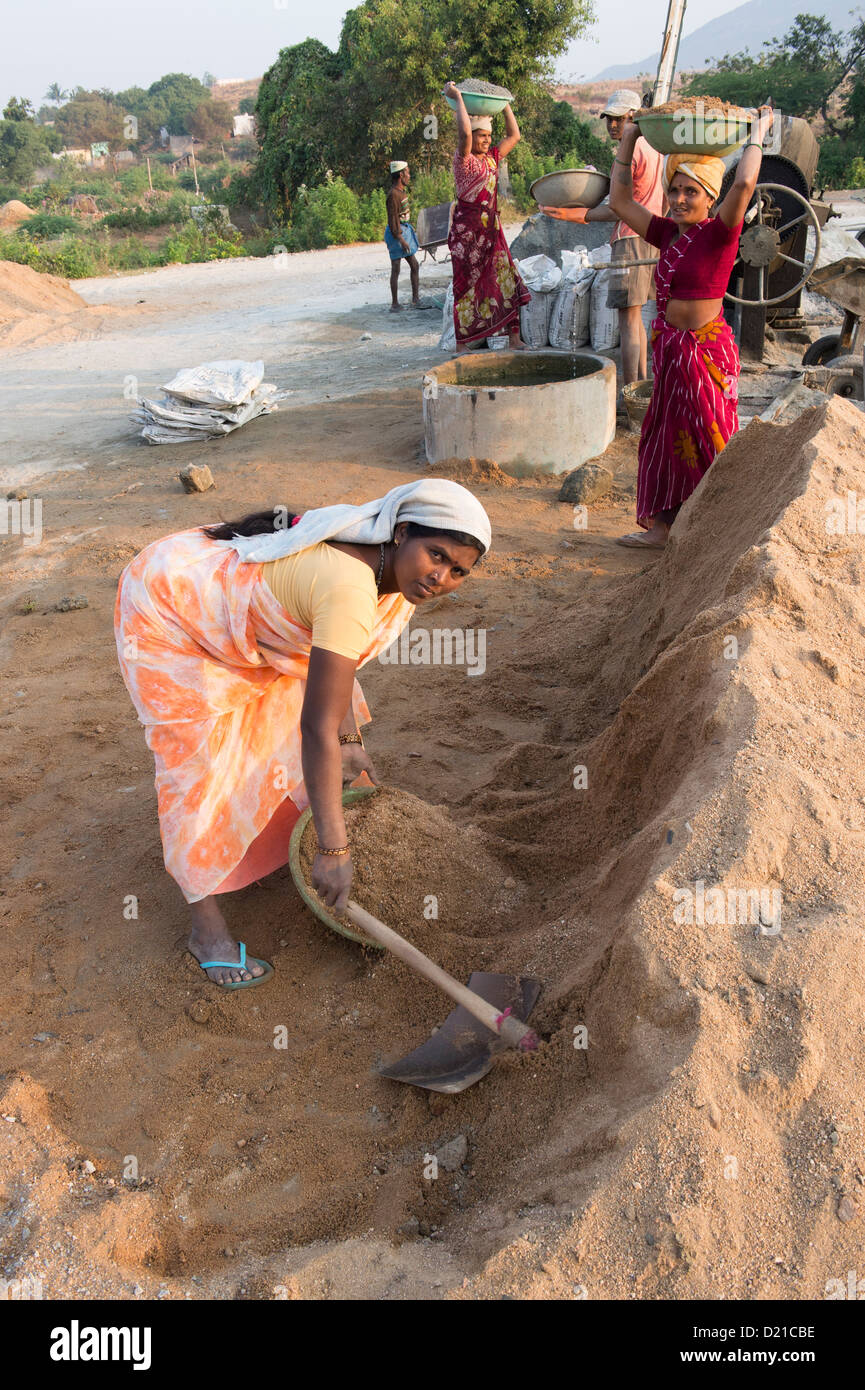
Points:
(703, 270)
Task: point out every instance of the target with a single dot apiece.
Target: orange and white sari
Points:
(217, 672)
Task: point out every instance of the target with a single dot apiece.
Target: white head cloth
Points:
(436, 502)
(482, 123)
(396, 165)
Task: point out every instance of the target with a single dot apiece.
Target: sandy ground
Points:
(157, 1144)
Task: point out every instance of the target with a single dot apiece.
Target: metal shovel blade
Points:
(463, 1050)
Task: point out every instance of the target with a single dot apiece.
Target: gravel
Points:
(484, 89)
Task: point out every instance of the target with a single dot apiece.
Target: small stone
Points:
(68, 605)
(630, 1212)
(847, 1209)
(100, 728)
(365, 337)
(16, 495)
(586, 483)
(228, 1252)
(137, 1290)
(650, 1239)
(196, 478)
(834, 1138)
(410, 1228)
(779, 670)
(88, 1167)
(510, 883)
(43, 1037)
(714, 1115)
(198, 1010)
(453, 1154)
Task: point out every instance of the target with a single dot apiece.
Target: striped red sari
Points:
(694, 411)
(488, 291)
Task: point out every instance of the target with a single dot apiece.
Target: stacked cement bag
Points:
(541, 276)
(603, 322)
(448, 339)
(570, 311)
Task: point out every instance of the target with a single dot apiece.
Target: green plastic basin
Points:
(479, 105)
(669, 134)
(313, 902)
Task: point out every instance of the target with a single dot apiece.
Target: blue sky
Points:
(100, 43)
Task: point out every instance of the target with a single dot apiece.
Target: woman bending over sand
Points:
(239, 645)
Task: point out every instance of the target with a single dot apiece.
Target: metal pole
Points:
(669, 51)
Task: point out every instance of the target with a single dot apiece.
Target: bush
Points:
(191, 244)
(49, 224)
(841, 164)
(142, 218)
(372, 216)
(135, 181)
(328, 215)
(432, 188)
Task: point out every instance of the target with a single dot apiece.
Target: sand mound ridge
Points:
(24, 291)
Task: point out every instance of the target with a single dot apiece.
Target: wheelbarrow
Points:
(433, 228)
(491, 1008)
(843, 284)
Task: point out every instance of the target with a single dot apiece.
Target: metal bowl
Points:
(570, 188)
(672, 134)
(477, 104)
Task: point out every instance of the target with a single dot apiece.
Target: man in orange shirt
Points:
(632, 285)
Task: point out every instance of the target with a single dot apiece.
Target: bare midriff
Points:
(691, 314)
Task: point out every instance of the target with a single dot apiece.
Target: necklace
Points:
(380, 574)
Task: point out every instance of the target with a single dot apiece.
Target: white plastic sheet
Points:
(207, 401)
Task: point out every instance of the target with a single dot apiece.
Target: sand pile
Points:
(471, 471)
(420, 872)
(24, 291)
(709, 935)
(13, 213)
(37, 307)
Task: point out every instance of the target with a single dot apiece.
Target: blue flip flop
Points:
(239, 965)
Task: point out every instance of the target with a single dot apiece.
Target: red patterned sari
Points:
(693, 412)
(488, 291)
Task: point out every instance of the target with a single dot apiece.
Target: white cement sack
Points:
(541, 275)
(569, 316)
(219, 384)
(535, 319)
(601, 255)
(448, 339)
(603, 321)
(574, 263)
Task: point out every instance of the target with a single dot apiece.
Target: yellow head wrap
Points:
(706, 170)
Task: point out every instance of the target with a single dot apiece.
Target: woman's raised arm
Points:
(622, 184)
(464, 124)
(735, 205)
(512, 133)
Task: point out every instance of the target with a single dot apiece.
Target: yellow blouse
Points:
(331, 593)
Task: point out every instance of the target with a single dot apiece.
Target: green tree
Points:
(55, 94)
(23, 147)
(90, 117)
(297, 120)
(209, 121)
(802, 72)
(18, 109)
(351, 111)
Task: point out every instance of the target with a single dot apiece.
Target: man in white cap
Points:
(401, 238)
(631, 286)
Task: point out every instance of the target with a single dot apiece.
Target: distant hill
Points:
(749, 26)
(235, 90)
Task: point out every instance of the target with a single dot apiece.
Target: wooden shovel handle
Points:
(506, 1026)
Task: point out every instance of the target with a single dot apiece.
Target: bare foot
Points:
(653, 539)
(517, 345)
(396, 308)
(210, 939)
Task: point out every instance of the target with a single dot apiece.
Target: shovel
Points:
(490, 1009)
(463, 1049)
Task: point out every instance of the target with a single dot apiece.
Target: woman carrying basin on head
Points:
(239, 645)
(693, 411)
(488, 291)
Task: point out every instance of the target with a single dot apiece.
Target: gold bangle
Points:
(350, 738)
(344, 850)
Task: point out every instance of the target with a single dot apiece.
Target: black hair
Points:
(280, 518)
(394, 178)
